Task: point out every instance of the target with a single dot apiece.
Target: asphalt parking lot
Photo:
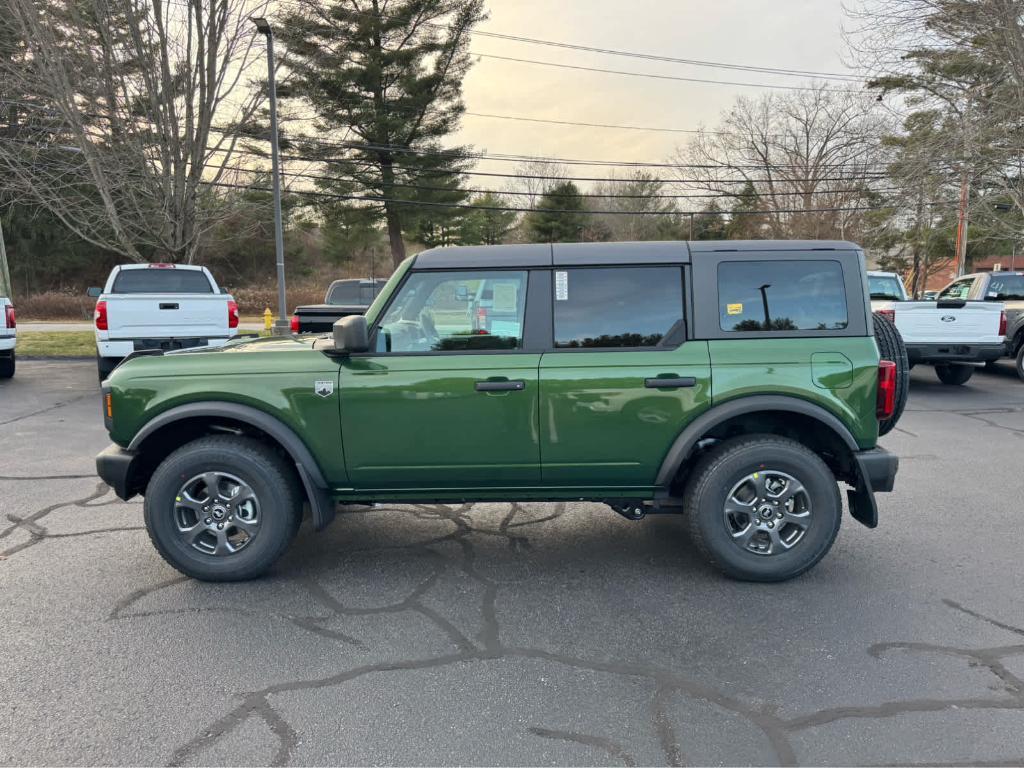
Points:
(530, 634)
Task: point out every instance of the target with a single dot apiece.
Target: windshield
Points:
(884, 287)
(1006, 287)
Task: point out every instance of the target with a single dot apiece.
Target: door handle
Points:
(670, 382)
(500, 386)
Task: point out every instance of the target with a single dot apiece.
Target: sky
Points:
(799, 34)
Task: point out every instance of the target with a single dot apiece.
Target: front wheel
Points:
(763, 508)
(223, 508)
(954, 374)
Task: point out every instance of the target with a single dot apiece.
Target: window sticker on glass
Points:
(561, 286)
(504, 297)
(734, 309)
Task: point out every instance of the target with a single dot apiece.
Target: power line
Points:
(468, 206)
(653, 76)
(670, 59)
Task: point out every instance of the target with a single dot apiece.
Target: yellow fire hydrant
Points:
(268, 319)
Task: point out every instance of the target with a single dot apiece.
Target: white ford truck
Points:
(8, 338)
(955, 333)
(159, 306)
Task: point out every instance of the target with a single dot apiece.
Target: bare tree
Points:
(535, 177)
(131, 126)
(800, 151)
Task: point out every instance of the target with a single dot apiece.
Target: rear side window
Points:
(616, 307)
(1006, 288)
(781, 296)
(162, 280)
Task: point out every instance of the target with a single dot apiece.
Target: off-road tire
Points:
(954, 374)
(891, 347)
(7, 365)
(274, 481)
(1020, 362)
(722, 467)
(105, 366)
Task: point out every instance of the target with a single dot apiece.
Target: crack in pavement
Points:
(609, 746)
(38, 533)
(777, 730)
(55, 406)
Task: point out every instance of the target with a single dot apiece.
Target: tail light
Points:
(100, 316)
(11, 320)
(1002, 323)
(481, 320)
(888, 314)
(295, 324)
(886, 402)
(232, 314)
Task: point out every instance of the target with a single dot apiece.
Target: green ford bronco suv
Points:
(733, 382)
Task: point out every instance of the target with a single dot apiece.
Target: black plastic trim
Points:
(114, 467)
(878, 468)
(954, 353)
(688, 438)
(309, 471)
(670, 382)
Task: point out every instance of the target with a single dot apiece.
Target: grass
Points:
(56, 344)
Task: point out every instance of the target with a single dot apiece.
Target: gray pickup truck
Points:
(1006, 288)
(344, 298)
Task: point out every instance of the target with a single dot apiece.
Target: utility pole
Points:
(961, 226)
(282, 325)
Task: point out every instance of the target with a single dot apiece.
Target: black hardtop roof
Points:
(573, 254)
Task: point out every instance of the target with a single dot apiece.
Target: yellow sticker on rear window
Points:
(734, 309)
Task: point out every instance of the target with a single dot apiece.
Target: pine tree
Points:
(560, 216)
(389, 74)
(487, 227)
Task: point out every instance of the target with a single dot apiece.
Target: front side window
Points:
(781, 296)
(455, 311)
(958, 290)
(616, 307)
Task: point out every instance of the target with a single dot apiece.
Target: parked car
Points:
(8, 338)
(736, 382)
(885, 287)
(955, 333)
(1006, 289)
(343, 298)
(159, 307)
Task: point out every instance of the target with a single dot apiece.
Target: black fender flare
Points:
(322, 505)
(687, 439)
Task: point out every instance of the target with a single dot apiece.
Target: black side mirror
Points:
(94, 293)
(351, 335)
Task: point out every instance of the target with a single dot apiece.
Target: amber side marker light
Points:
(109, 403)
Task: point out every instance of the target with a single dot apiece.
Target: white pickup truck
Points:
(8, 338)
(955, 333)
(159, 306)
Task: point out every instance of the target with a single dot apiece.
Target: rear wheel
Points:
(223, 508)
(7, 365)
(891, 347)
(763, 508)
(1020, 362)
(954, 374)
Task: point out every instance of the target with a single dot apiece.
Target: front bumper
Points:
(115, 466)
(954, 353)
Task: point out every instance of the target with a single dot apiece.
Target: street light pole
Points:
(282, 325)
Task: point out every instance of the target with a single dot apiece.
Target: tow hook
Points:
(631, 510)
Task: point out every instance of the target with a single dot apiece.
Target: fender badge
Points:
(324, 388)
